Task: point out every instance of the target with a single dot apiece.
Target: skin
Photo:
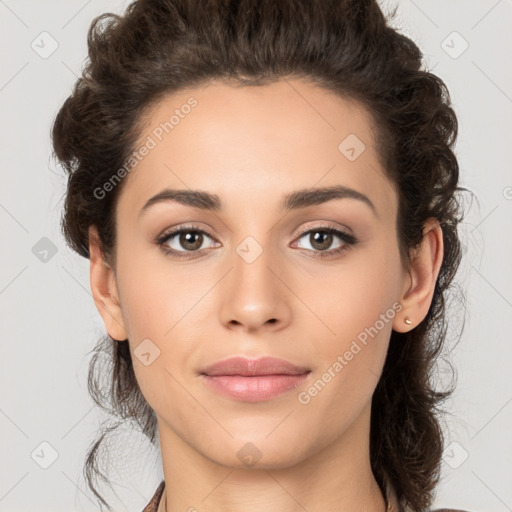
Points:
(250, 146)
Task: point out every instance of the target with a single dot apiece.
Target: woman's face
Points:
(253, 284)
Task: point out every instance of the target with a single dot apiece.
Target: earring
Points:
(408, 321)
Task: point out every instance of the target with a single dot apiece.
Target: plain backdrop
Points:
(49, 322)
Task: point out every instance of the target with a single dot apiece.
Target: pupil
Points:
(318, 236)
(186, 238)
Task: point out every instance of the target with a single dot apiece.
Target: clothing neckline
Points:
(392, 504)
(154, 503)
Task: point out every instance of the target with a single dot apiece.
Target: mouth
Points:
(254, 367)
(256, 380)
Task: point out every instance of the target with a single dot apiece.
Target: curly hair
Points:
(346, 46)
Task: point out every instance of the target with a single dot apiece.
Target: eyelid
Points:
(348, 241)
(346, 236)
(175, 231)
(326, 225)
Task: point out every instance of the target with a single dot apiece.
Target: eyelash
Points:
(349, 241)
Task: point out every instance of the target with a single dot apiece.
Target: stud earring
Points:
(408, 321)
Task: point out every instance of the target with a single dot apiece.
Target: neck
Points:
(336, 478)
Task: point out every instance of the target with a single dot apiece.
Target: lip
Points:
(253, 380)
(251, 367)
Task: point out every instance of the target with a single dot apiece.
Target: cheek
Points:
(155, 295)
(157, 308)
(350, 361)
(359, 306)
(357, 293)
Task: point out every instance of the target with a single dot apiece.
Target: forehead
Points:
(255, 142)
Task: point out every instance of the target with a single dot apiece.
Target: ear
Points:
(418, 289)
(104, 289)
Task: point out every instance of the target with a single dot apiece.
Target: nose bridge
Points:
(251, 274)
(253, 253)
(254, 295)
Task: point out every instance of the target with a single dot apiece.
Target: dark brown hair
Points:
(346, 46)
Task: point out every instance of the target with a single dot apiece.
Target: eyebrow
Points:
(292, 201)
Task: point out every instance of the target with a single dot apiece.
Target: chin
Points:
(258, 454)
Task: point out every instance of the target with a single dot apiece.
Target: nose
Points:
(254, 295)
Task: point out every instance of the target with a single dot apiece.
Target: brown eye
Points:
(190, 240)
(184, 241)
(320, 240)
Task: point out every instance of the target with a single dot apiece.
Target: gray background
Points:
(49, 321)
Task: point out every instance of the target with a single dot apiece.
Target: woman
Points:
(267, 194)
